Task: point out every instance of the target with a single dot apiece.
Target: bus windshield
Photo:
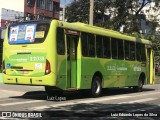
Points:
(28, 33)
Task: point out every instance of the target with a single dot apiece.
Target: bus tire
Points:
(138, 88)
(51, 92)
(96, 87)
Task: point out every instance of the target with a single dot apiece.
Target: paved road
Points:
(114, 104)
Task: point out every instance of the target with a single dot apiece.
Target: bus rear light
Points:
(3, 67)
(48, 67)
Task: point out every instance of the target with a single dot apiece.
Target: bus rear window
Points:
(28, 33)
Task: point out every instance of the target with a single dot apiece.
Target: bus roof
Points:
(77, 26)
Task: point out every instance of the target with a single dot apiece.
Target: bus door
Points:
(72, 43)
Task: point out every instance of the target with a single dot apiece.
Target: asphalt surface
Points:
(121, 104)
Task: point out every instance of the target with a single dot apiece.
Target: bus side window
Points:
(99, 48)
(120, 49)
(84, 42)
(138, 52)
(106, 47)
(143, 53)
(127, 50)
(132, 51)
(91, 45)
(114, 48)
(60, 41)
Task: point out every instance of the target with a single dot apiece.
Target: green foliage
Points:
(78, 11)
(119, 12)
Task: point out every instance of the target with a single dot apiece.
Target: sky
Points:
(17, 6)
(67, 2)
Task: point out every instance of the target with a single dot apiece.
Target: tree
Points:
(120, 12)
(136, 7)
(78, 11)
(113, 14)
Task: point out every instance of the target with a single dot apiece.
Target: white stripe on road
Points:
(8, 99)
(7, 118)
(91, 101)
(8, 93)
(24, 102)
(141, 94)
(99, 100)
(94, 100)
(139, 101)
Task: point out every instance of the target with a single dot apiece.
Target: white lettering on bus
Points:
(113, 68)
(122, 68)
(136, 68)
(37, 58)
(19, 60)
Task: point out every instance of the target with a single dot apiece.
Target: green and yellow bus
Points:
(64, 56)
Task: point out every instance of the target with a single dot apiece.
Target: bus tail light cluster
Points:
(3, 67)
(48, 67)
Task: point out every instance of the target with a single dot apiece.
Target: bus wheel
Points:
(96, 87)
(139, 87)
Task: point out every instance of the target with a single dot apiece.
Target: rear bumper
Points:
(46, 80)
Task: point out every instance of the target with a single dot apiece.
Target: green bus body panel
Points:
(116, 73)
(76, 73)
(61, 71)
(35, 56)
(33, 64)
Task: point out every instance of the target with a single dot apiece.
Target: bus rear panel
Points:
(25, 55)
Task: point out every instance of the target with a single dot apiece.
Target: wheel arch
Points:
(142, 77)
(96, 85)
(99, 74)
